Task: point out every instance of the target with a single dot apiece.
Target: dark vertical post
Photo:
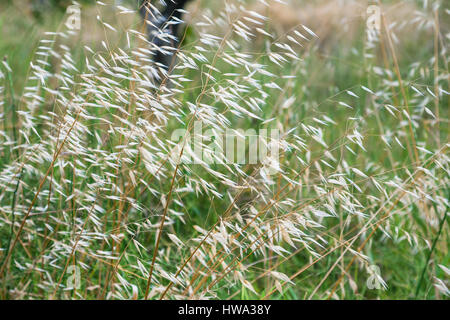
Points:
(160, 33)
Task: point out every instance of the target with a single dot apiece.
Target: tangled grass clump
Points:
(97, 200)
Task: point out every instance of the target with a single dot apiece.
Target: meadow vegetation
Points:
(97, 202)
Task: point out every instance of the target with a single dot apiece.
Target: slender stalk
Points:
(441, 226)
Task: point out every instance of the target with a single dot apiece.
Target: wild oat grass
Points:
(92, 185)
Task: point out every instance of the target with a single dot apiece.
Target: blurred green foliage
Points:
(39, 7)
